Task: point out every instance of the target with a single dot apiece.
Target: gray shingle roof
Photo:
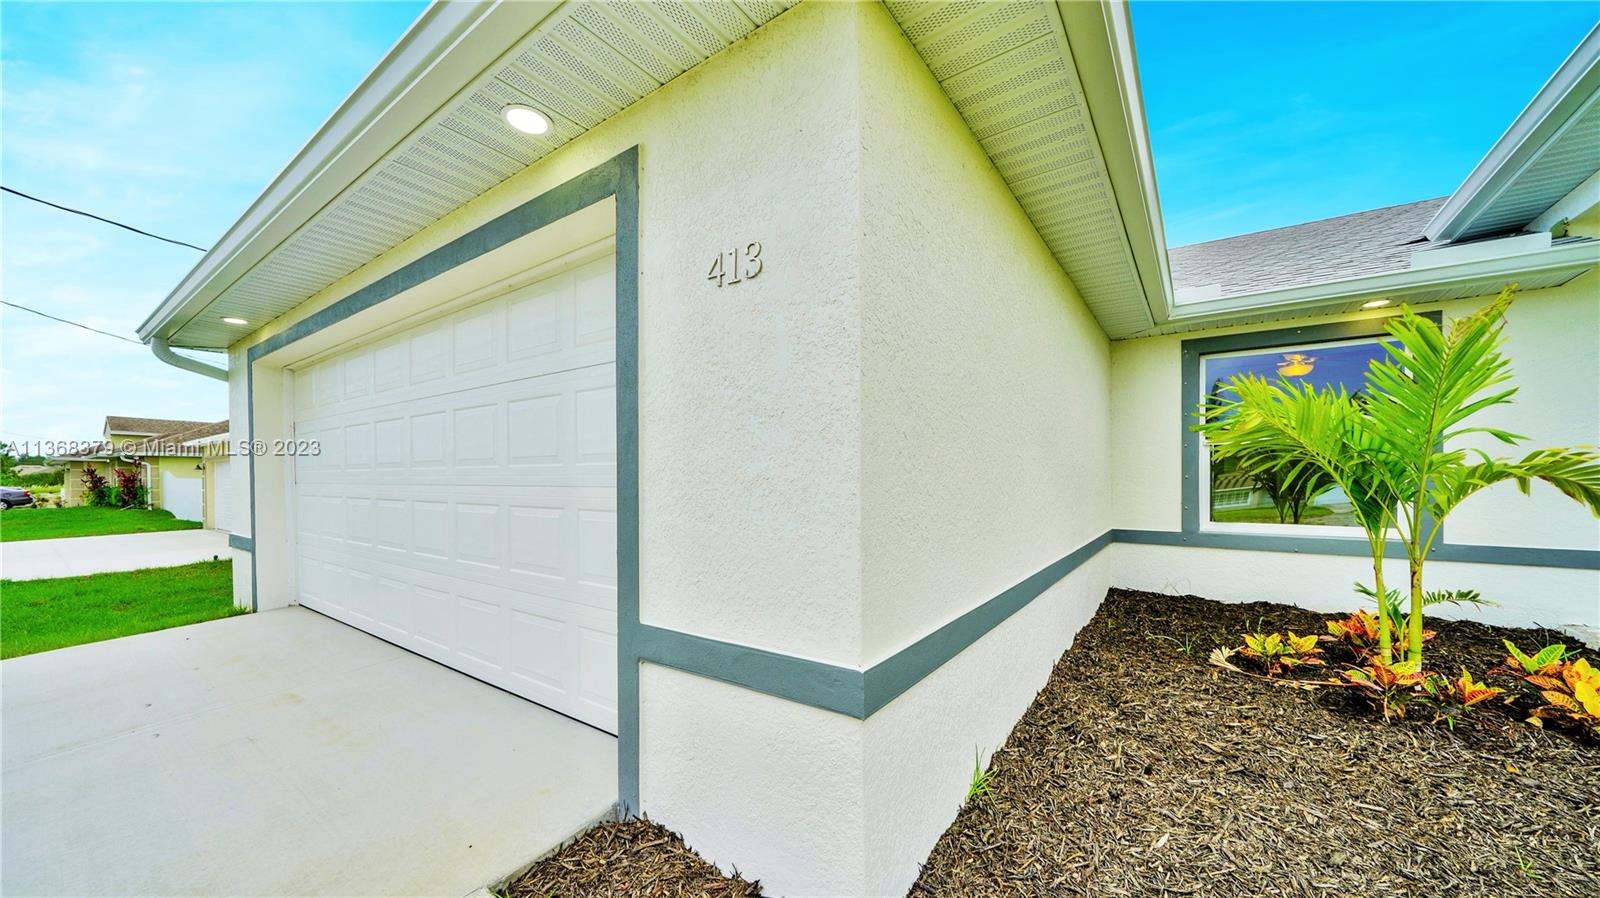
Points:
(1364, 243)
(121, 424)
(171, 444)
(167, 444)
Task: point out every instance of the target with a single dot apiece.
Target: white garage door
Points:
(221, 518)
(181, 496)
(463, 504)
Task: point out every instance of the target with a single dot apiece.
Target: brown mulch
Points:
(1143, 770)
(631, 858)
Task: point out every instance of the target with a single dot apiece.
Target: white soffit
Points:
(1553, 145)
(1010, 72)
(582, 64)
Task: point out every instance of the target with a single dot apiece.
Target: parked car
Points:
(12, 497)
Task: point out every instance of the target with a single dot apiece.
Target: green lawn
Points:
(82, 520)
(39, 615)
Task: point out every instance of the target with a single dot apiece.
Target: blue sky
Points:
(171, 117)
(1270, 114)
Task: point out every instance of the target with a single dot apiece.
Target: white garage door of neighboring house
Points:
(219, 503)
(463, 504)
(181, 496)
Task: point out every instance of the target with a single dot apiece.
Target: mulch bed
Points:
(631, 859)
(1142, 770)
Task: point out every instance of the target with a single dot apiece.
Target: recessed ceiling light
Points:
(1374, 303)
(526, 119)
(227, 320)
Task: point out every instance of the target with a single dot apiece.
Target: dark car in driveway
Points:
(13, 496)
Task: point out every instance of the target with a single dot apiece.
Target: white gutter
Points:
(158, 345)
(1557, 105)
(451, 43)
(1575, 257)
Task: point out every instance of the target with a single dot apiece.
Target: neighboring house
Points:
(170, 455)
(787, 418)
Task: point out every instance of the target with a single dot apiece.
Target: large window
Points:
(1237, 500)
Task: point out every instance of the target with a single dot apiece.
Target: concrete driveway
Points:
(280, 753)
(38, 559)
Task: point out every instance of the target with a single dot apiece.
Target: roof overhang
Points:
(1549, 149)
(1102, 42)
(1531, 264)
(448, 45)
(1049, 89)
(1051, 92)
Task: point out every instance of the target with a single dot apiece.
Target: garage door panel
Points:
(529, 539)
(463, 504)
(530, 644)
(557, 429)
(537, 330)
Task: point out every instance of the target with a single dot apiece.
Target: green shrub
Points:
(48, 478)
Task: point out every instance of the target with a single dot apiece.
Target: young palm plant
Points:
(1420, 399)
(1295, 430)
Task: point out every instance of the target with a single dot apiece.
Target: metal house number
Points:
(736, 265)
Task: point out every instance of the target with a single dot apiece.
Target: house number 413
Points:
(735, 265)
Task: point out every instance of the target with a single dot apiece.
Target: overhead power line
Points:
(73, 323)
(108, 221)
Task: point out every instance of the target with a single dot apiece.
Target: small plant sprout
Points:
(1278, 653)
(980, 778)
(1184, 645)
(1526, 866)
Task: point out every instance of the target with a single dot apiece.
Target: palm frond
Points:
(1575, 471)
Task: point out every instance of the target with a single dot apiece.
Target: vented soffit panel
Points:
(1009, 69)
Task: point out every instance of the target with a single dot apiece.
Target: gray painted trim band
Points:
(860, 694)
(1525, 556)
(847, 690)
(887, 679)
(235, 541)
(815, 683)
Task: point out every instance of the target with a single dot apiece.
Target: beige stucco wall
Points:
(984, 454)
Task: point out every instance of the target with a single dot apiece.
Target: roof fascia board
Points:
(1100, 38)
(1571, 89)
(1576, 256)
(450, 44)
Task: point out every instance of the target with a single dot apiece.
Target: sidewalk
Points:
(38, 559)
